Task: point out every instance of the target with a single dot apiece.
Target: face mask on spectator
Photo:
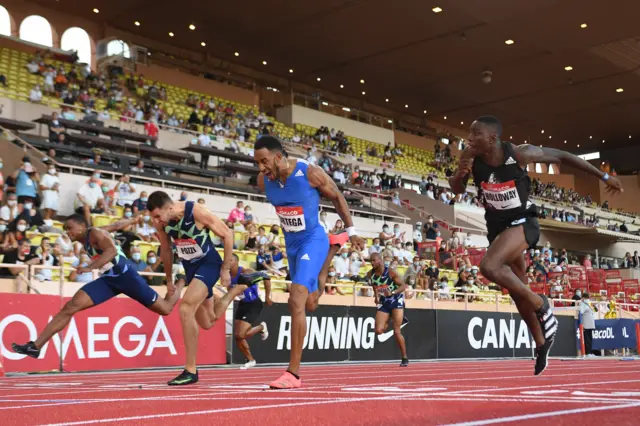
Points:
(143, 199)
(92, 184)
(332, 274)
(183, 198)
(128, 214)
(151, 260)
(28, 206)
(385, 229)
(578, 293)
(12, 202)
(437, 234)
(105, 189)
(136, 256)
(470, 282)
(3, 228)
(146, 218)
(52, 171)
(344, 255)
(21, 227)
(387, 263)
(274, 231)
(354, 256)
(96, 175)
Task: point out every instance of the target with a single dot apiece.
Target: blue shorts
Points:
(306, 260)
(129, 283)
(208, 272)
(388, 304)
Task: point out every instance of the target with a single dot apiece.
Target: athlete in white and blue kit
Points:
(294, 188)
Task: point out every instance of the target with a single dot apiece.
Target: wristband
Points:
(351, 231)
(605, 177)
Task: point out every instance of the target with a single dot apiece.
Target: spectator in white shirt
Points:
(88, 196)
(125, 190)
(323, 222)
(35, 95)
(33, 67)
(338, 176)
(396, 199)
(146, 230)
(407, 254)
(204, 139)
(417, 235)
(311, 158)
(355, 262)
(341, 263)
(467, 241)
(10, 211)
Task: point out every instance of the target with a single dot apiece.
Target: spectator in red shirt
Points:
(151, 128)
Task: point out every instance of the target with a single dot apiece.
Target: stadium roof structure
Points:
(557, 66)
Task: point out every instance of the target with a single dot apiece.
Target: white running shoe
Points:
(248, 364)
(264, 334)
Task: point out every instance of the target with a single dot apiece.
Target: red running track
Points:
(431, 393)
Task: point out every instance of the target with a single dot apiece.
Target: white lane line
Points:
(559, 385)
(542, 415)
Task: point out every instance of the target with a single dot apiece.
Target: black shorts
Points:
(249, 311)
(530, 224)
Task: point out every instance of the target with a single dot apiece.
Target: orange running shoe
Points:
(286, 381)
(338, 239)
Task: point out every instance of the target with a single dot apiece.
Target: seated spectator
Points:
(31, 215)
(50, 187)
(277, 257)
(56, 129)
(386, 235)
(35, 95)
(88, 196)
(323, 222)
(33, 67)
(375, 248)
(140, 204)
(251, 238)
(10, 211)
(341, 264)
(47, 258)
(145, 230)
(338, 227)
(331, 287)
(355, 262)
(339, 177)
(125, 191)
(85, 277)
(237, 214)
(263, 239)
(139, 167)
(273, 236)
(20, 256)
(136, 257)
(249, 218)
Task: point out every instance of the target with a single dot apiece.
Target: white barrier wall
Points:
(220, 205)
(291, 114)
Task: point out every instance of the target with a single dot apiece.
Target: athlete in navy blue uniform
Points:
(388, 291)
(118, 275)
(249, 307)
(188, 224)
(294, 188)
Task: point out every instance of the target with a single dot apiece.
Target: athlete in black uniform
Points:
(499, 172)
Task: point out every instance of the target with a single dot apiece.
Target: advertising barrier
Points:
(115, 335)
(341, 333)
(614, 334)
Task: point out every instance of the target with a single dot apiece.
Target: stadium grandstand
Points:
(103, 104)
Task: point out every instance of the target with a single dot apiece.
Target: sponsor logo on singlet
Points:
(501, 196)
(291, 218)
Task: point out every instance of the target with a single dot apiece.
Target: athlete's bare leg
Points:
(243, 331)
(166, 305)
(505, 251)
(220, 305)
(397, 316)
(194, 297)
(297, 300)
(79, 302)
(205, 314)
(382, 322)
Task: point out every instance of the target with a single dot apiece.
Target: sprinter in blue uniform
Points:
(388, 292)
(294, 188)
(249, 307)
(118, 276)
(188, 225)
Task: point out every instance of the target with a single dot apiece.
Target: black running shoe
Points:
(405, 362)
(549, 325)
(29, 349)
(185, 378)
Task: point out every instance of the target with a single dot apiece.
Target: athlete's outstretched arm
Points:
(399, 282)
(528, 154)
(166, 252)
(217, 226)
(105, 243)
(122, 224)
(458, 182)
(328, 188)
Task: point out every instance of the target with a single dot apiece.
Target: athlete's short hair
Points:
(157, 200)
(77, 218)
(271, 143)
(490, 120)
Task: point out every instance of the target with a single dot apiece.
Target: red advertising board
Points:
(115, 335)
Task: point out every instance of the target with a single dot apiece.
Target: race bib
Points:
(384, 290)
(188, 249)
(291, 218)
(501, 196)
